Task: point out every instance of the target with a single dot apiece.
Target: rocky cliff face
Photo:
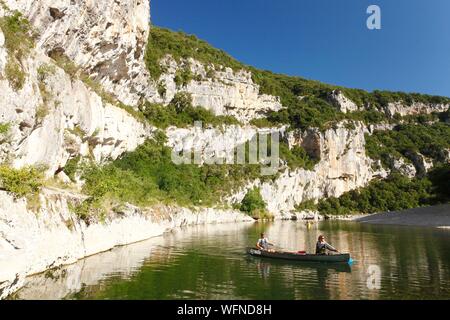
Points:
(225, 92)
(54, 117)
(106, 38)
(415, 108)
(344, 166)
(213, 143)
(342, 102)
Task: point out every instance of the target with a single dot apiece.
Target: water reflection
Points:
(209, 262)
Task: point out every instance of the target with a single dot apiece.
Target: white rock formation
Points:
(414, 109)
(381, 127)
(213, 143)
(343, 103)
(405, 168)
(422, 163)
(34, 242)
(107, 38)
(54, 117)
(227, 93)
(344, 166)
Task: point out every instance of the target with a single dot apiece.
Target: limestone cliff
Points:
(106, 38)
(344, 166)
(225, 93)
(54, 117)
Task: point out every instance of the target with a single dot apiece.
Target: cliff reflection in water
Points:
(209, 262)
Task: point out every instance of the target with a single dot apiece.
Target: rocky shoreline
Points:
(33, 242)
(316, 216)
(435, 216)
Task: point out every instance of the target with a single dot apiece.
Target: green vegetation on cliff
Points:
(307, 102)
(148, 175)
(182, 46)
(18, 42)
(408, 140)
(21, 182)
(18, 34)
(181, 113)
(397, 192)
(297, 157)
(4, 128)
(254, 205)
(289, 88)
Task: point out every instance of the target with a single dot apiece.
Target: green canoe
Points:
(343, 257)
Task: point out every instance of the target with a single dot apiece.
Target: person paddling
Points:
(322, 246)
(263, 243)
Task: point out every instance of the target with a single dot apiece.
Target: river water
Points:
(209, 262)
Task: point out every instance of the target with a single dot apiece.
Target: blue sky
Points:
(326, 40)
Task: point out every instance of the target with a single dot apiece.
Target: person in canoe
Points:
(322, 246)
(263, 243)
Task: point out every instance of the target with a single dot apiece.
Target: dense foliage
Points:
(308, 103)
(407, 140)
(181, 113)
(182, 46)
(397, 192)
(21, 182)
(253, 202)
(4, 128)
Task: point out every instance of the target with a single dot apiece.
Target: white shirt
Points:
(263, 243)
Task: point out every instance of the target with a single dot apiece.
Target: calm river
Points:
(209, 262)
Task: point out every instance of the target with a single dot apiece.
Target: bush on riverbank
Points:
(252, 201)
(254, 205)
(397, 192)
